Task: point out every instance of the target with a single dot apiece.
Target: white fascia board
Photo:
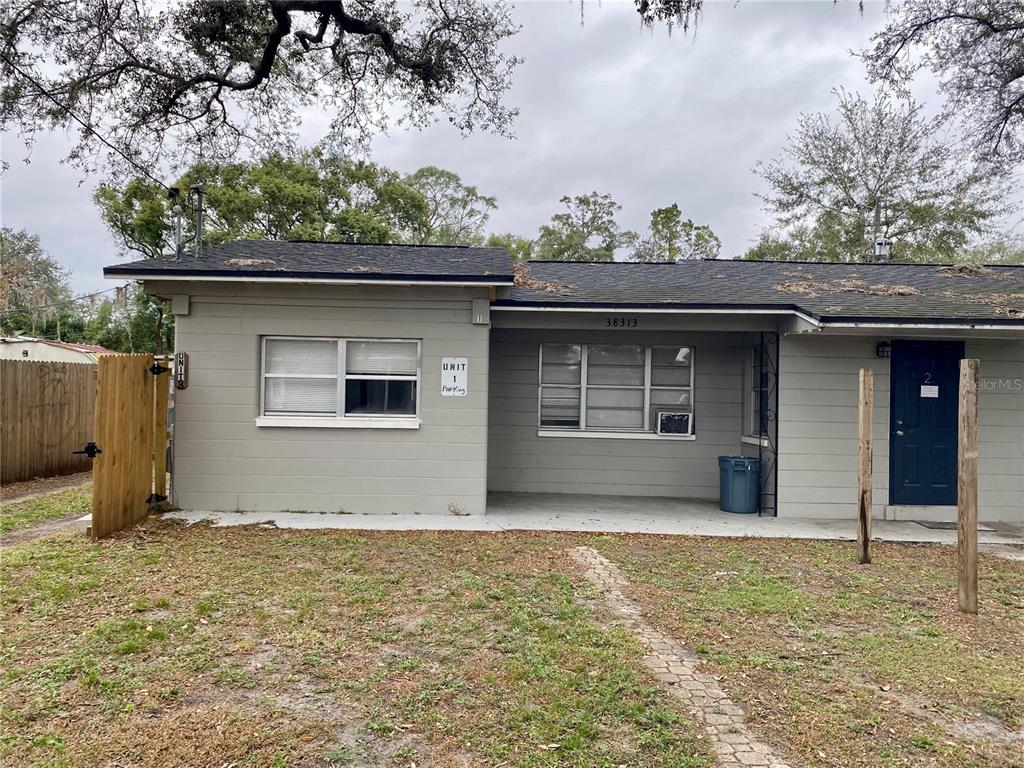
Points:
(897, 326)
(643, 310)
(660, 311)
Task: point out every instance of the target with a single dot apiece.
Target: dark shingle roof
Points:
(329, 261)
(838, 292)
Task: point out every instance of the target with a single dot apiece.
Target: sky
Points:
(605, 106)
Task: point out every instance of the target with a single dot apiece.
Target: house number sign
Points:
(454, 376)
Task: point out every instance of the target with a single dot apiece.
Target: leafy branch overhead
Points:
(215, 75)
(973, 48)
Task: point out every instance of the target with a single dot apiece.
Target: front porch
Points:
(607, 515)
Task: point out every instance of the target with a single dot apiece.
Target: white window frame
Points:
(649, 432)
(340, 419)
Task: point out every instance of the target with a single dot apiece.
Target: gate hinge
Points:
(156, 369)
(91, 450)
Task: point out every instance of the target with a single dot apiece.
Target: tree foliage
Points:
(215, 76)
(132, 321)
(456, 213)
(519, 248)
(32, 283)
(671, 238)
(585, 231)
(975, 48)
(885, 155)
(310, 196)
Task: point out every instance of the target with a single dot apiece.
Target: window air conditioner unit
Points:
(672, 423)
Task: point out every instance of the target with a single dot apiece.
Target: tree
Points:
(585, 231)
(138, 215)
(671, 238)
(146, 81)
(975, 48)
(33, 285)
(1002, 249)
(456, 213)
(133, 322)
(520, 248)
(879, 166)
(310, 196)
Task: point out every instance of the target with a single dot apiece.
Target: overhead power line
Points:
(65, 303)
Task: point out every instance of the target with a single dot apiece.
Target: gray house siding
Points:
(817, 448)
(1000, 429)
(224, 461)
(520, 460)
(818, 393)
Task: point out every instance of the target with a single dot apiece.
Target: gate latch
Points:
(91, 450)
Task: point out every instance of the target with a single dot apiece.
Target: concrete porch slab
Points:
(602, 514)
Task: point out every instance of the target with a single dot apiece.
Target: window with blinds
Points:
(340, 377)
(300, 376)
(613, 387)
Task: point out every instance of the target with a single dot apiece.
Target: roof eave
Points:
(930, 323)
(349, 278)
(951, 323)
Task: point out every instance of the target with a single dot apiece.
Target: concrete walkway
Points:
(45, 528)
(608, 514)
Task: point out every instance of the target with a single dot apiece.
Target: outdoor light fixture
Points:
(884, 349)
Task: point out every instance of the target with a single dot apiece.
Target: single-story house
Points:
(50, 350)
(335, 377)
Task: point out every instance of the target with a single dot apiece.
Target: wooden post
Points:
(967, 487)
(867, 397)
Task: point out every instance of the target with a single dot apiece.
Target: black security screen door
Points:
(923, 422)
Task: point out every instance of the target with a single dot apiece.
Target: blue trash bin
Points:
(739, 486)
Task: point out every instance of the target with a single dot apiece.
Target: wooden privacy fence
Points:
(129, 443)
(46, 412)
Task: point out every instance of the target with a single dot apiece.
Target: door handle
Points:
(899, 433)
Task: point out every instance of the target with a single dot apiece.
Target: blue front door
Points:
(923, 421)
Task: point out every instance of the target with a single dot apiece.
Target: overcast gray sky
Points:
(605, 106)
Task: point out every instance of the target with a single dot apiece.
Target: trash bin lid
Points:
(738, 462)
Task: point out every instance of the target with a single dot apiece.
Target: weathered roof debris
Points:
(523, 279)
(813, 288)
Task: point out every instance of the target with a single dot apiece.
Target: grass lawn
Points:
(16, 515)
(847, 664)
(269, 648)
(257, 647)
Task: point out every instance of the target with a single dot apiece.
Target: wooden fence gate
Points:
(129, 443)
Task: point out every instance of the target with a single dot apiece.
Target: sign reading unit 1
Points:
(454, 376)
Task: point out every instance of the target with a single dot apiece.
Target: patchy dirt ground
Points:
(259, 647)
(846, 664)
(256, 647)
